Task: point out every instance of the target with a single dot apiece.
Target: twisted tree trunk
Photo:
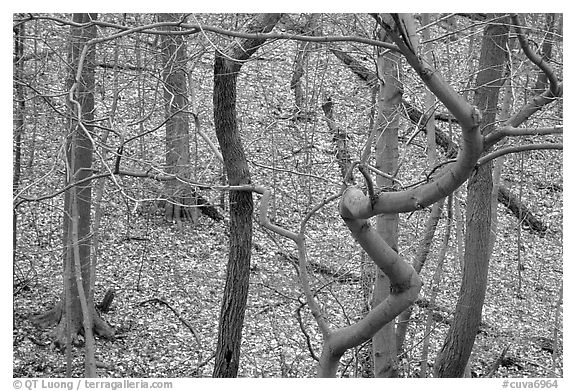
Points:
(356, 208)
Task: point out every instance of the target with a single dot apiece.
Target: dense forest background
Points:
(161, 221)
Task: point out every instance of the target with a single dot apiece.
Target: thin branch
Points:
(178, 315)
(300, 241)
(512, 131)
(517, 148)
(278, 169)
(205, 137)
(195, 28)
(265, 221)
(385, 175)
(534, 105)
(316, 208)
(368, 181)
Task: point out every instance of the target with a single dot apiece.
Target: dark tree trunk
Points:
(241, 207)
(226, 68)
(452, 360)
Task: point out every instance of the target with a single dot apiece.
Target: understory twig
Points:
(179, 316)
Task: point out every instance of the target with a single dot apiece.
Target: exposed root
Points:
(56, 317)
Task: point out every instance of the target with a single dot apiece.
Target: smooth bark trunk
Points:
(386, 133)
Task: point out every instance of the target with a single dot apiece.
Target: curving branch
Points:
(300, 240)
(306, 335)
(355, 206)
(510, 127)
(405, 285)
(538, 60)
(467, 115)
(537, 103)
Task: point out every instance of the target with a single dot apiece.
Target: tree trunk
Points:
(241, 206)
(356, 207)
(389, 97)
(79, 150)
(226, 68)
(174, 76)
(452, 360)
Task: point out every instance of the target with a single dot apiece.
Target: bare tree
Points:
(76, 311)
(175, 76)
(386, 159)
(458, 344)
(226, 68)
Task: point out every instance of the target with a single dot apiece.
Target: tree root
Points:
(55, 317)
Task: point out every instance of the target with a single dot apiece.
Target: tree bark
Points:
(452, 360)
(226, 68)
(175, 76)
(79, 151)
(241, 206)
(386, 133)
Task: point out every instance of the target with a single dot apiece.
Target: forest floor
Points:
(153, 266)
